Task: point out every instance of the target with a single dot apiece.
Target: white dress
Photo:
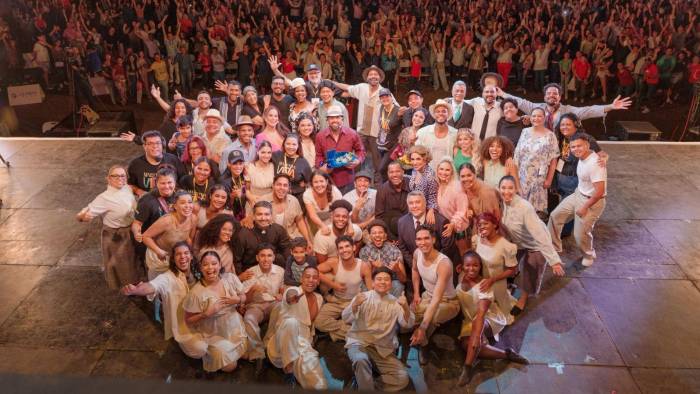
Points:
(496, 259)
(224, 332)
(468, 302)
(289, 339)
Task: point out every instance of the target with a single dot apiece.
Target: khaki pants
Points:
(583, 226)
(447, 309)
(329, 319)
(393, 374)
(255, 314)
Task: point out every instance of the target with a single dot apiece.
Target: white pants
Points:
(583, 226)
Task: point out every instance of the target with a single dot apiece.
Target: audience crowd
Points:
(311, 200)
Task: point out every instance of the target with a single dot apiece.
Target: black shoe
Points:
(290, 380)
(466, 376)
(516, 311)
(422, 356)
(259, 367)
(511, 355)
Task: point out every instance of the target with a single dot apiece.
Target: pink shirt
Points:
(262, 137)
(453, 204)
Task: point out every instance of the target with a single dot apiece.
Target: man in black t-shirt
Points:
(279, 99)
(142, 170)
(152, 205)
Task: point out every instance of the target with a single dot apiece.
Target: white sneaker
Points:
(587, 261)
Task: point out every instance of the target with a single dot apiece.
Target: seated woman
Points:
(216, 235)
(499, 261)
(172, 287)
(318, 199)
(273, 131)
(423, 179)
(199, 183)
(210, 311)
(453, 204)
(496, 155)
(482, 319)
(195, 148)
(259, 174)
(291, 162)
(178, 225)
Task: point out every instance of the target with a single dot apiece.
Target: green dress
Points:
(460, 159)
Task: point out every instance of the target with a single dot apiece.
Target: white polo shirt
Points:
(589, 172)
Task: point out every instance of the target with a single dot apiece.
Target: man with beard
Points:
(372, 339)
(486, 113)
(230, 105)
(264, 230)
(313, 79)
(142, 170)
(462, 113)
(341, 139)
(324, 246)
(415, 103)
(415, 218)
(554, 108)
(279, 99)
(344, 276)
(391, 198)
(286, 209)
(289, 337)
(440, 137)
(244, 143)
(369, 107)
(263, 285)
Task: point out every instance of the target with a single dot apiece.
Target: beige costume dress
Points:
(224, 332)
(468, 301)
(289, 339)
(496, 259)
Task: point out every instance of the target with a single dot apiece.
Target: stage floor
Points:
(628, 324)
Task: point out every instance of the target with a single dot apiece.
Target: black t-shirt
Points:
(198, 192)
(510, 130)
(150, 208)
(142, 174)
(298, 169)
(283, 106)
(237, 205)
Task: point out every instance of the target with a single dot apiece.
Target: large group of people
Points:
(307, 201)
(594, 49)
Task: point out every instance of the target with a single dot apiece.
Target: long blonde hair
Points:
(475, 156)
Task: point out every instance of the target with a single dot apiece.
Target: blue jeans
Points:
(566, 186)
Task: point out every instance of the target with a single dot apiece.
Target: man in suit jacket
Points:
(415, 217)
(462, 113)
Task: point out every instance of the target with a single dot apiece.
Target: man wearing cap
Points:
(313, 79)
(440, 137)
(363, 199)
(341, 139)
(324, 245)
(554, 108)
(415, 103)
(214, 136)
(327, 94)
(234, 183)
(244, 142)
(462, 113)
(367, 94)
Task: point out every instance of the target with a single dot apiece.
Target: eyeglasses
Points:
(118, 176)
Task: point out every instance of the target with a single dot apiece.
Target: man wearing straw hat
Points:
(439, 137)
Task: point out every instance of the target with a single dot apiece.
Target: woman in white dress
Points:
(482, 319)
(172, 287)
(210, 311)
(499, 261)
(116, 207)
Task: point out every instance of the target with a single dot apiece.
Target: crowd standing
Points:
(308, 199)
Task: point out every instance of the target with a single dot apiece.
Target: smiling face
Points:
(265, 258)
(486, 228)
(245, 134)
(507, 189)
(440, 114)
(265, 154)
(416, 206)
(278, 86)
(291, 145)
(234, 91)
(236, 168)
(373, 77)
(309, 280)
(346, 250)
(218, 199)
(361, 184)
(418, 119)
(184, 205)
(424, 241)
(467, 178)
(326, 94)
(458, 92)
(117, 178)
(510, 111)
(377, 235)
(418, 162)
(471, 268)
(381, 283)
(202, 171)
(272, 118)
(489, 94)
(153, 147)
(395, 174)
(552, 96)
(185, 130)
(281, 188)
(226, 232)
(319, 183)
(579, 148)
(340, 218)
(537, 117)
(263, 216)
(567, 127)
(305, 127)
(183, 258)
(195, 151)
(210, 267)
(300, 93)
(445, 172)
(495, 150)
(180, 109)
(165, 186)
(203, 101)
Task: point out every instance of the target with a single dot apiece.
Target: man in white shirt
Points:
(487, 112)
(439, 137)
(588, 202)
(372, 338)
(263, 285)
(324, 244)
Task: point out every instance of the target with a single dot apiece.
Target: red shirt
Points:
(581, 68)
(625, 77)
(694, 73)
(205, 61)
(415, 69)
(349, 141)
(651, 74)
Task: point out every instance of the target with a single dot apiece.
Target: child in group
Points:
(297, 262)
(416, 68)
(482, 319)
(178, 142)
(465, 149)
